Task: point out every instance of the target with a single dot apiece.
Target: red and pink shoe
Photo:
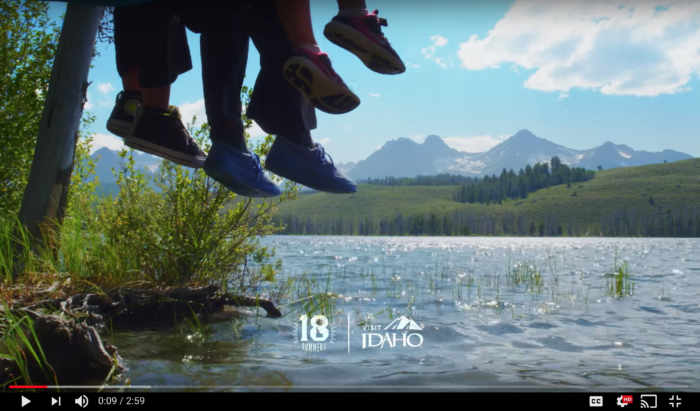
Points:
(313, 75)
(363, 37)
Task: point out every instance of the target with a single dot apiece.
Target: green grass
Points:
(22, 348)
(620, 282)
(673, 186)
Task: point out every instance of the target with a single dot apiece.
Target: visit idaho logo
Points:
(401, 334)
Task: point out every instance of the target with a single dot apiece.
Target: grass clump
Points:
(176, 228)
(620, 282)
(525, 274)
(20, 348)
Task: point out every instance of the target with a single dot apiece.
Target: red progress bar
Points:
(28, 386)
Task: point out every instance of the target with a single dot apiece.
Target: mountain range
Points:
(404, 157)
(106, 159)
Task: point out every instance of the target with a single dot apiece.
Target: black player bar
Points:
(273, 400)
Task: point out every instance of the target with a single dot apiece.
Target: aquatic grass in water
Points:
(310, 297)
(525, 274)
(620, 283)
(194, 329)
(446, 281)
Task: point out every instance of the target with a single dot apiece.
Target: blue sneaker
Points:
(240, 172)
(312, 168)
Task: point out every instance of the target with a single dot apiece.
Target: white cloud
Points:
(603, 45)
(324, 141)
(105, 88)
(374, 94)
(475, 144)
(562, 96)
(188, 109)
(412, 65)
(438, 41)
(256, 131)
(418, 138)
(440, 62)
(106, 140)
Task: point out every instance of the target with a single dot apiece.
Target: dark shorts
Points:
(152, 39)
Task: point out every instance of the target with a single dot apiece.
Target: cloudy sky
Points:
(578, 73)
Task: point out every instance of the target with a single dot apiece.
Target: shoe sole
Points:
(322, 92)
(166, 153)
(375, 57)
(118, 127)
(318, 187)
(238, 187)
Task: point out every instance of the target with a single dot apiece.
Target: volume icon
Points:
(82, 401)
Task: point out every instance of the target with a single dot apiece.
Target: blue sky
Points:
(576, 73)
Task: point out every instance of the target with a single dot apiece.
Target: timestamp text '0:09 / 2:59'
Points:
(120, 400)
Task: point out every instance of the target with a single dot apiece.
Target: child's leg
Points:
(359, 31)
(130, 79)
(309, 69)
(295, 16)
(153, 97)
(149, 58)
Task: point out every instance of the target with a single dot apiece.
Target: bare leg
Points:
(130, 80)
(295, 16)
(308, 69)
(152, 97)
(156, 97)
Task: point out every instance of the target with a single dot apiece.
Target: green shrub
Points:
(28, 41)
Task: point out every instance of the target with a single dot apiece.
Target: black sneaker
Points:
(122, 116)
(164, 135)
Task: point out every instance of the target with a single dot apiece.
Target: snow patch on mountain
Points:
(623, 154)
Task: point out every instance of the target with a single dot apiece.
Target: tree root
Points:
(70, 341)
(68, 353)
(128, 307)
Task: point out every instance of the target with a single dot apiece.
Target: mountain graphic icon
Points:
(403, 323)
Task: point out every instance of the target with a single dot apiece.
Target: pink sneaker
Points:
(363, 37)
(312, 74)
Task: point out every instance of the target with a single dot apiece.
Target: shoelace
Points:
(321, 154)
(190, 141)
(375, 23)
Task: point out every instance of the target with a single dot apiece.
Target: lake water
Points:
(486, 321)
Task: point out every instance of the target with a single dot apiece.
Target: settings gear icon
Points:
(620, 403)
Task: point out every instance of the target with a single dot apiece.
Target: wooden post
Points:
(45, 195)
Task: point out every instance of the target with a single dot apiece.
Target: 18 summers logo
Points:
(314, 334)
(392, 339)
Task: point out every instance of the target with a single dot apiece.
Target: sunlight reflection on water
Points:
(509, 313)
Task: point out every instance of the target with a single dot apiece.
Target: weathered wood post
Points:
(45, 195)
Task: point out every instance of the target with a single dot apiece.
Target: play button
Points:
(25, 401)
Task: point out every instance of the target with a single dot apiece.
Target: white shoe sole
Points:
(322, 92)
(118, 127)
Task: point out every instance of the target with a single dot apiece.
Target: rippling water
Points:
(496, 314)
